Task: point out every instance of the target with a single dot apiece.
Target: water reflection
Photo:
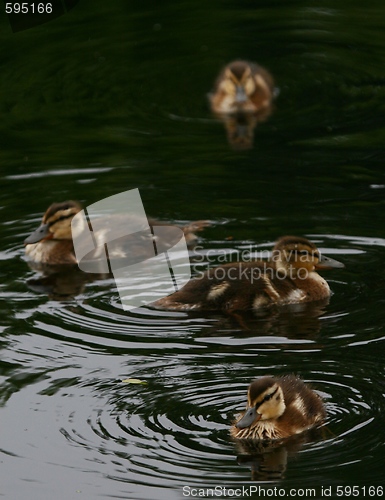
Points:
(62, 282)
(240, 129)
(268, 460)
(294, 321)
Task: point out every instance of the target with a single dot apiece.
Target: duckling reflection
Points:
(62, 282)
(50, 249)
(242, 98)
(294, 321)
(268, 460)
(240, 129)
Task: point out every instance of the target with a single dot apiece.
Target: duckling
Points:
(242, 87)
(278, 408)
(51, 243)
(289, 277)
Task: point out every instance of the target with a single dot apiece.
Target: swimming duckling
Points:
(278, 408)
(242, 87)
(289, 277)
(51, 243)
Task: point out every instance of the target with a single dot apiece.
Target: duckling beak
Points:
(250, 416)
(328, 263)
(240, 95)
(38, 235)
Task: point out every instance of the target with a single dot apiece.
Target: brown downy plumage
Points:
(51, 243)
(289, 277)
(277, 408)
(242, 87)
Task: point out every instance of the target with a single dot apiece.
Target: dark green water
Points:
(113, 97)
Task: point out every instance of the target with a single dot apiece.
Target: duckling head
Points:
(297, 257)
(243, 87)
(56, 223)
(265, 401)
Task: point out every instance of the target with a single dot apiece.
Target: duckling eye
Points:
(59, 219)
(266, 398)
(303, 252)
